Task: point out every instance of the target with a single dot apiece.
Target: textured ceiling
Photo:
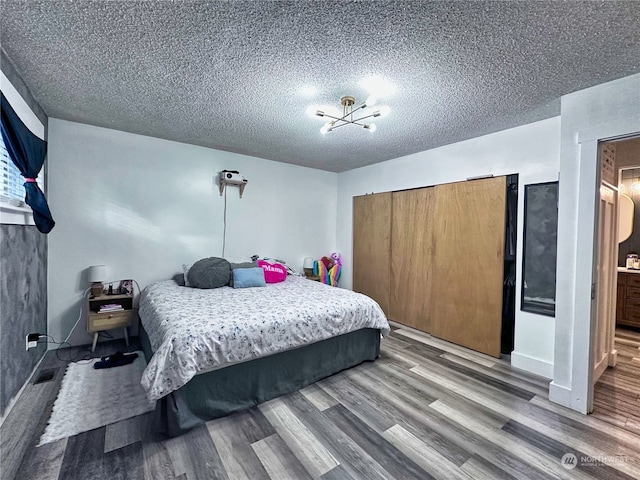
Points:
(239, 76)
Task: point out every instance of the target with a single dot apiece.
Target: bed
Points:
(211, 352)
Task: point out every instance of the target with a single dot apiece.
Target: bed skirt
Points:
(237, 387)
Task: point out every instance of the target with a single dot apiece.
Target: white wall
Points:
(532, 151)
(605, 111)
(144, 206)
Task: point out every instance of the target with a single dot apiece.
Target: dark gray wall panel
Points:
(23, 304)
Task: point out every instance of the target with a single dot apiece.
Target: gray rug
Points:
(91, 398)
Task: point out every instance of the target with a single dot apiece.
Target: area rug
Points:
(91, 398)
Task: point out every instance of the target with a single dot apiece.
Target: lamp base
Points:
(97, 289)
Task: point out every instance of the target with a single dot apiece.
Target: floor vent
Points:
(45, 375)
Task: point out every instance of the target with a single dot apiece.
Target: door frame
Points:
(613, 353)
(585, 313)
(604, 284)
(579, 395)
(602, 112)
(586, 308)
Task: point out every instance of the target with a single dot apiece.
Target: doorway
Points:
(617, 381)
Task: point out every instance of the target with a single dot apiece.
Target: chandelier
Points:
(347, 115)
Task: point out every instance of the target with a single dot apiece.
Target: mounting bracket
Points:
(222, 185)
(232, 177)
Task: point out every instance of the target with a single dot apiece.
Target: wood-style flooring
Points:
(425, 409)
(617, 393)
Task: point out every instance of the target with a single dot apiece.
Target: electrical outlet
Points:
(32, 340)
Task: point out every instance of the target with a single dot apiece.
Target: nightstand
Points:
(107, 319)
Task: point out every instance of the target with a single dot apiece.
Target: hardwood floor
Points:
(425, 409)
(617, 393)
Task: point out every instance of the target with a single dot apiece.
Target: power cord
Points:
(84, 297)
(85, 352)
(88, 354)
(224, 230)
(81, 355)
(139, 292)
(66, 340)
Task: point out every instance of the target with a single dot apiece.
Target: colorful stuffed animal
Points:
(320, 270)
(328, 269)
(335, 270)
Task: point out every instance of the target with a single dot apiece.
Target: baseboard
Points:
(532, 365)
(560, 395)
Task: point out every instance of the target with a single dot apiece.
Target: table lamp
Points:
(97, 274)
(307, 266)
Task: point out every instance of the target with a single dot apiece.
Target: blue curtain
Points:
(27, 152)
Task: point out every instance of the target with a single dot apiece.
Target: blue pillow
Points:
(248, 277)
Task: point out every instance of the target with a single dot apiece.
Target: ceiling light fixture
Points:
(347, 115)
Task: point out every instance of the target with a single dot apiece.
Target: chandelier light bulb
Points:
(384, 111)
(371, 101)
(325, 128)
(371, 127)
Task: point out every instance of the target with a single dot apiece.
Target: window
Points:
(24, 123)
(13, 186)
(12, 207)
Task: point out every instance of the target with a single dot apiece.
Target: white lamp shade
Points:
(308, 262)
(97, 273)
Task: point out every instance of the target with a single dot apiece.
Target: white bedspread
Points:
(193, 330)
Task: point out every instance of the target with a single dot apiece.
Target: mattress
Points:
(192, 331)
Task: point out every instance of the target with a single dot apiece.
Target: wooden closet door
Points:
(372, 246)
(412, 257)
(469, 222)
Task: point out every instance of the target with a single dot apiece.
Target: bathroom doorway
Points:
(617, 390)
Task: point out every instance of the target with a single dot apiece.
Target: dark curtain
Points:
(509, 285)
(28, 153)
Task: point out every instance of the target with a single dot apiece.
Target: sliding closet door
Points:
(371, 246)
(412, 257)
(469, 222)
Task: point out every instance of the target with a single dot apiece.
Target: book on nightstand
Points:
(111, 307)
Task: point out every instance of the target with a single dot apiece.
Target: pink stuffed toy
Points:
(273, 272)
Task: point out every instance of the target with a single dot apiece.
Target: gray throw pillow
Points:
(212, 272)
(235, 266)
(179, 279)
